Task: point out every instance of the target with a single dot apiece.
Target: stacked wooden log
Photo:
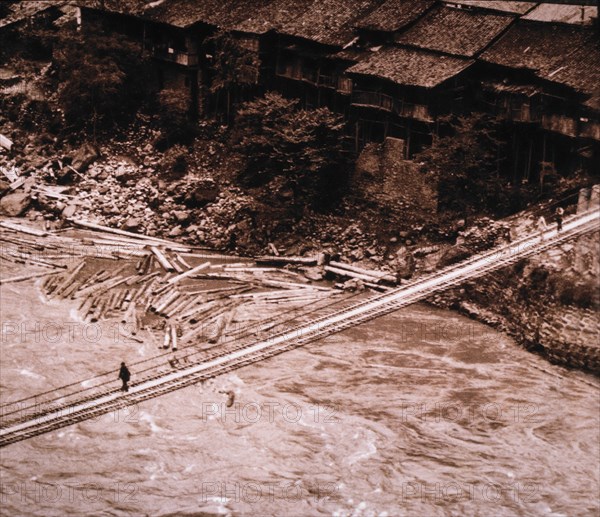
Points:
(177, 296)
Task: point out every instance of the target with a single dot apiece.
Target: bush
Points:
(174, 163)
(103, 77)
(305, 146)
(586, 295)
(176, 123)
(465, 163)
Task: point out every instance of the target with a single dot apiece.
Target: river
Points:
(420, 413)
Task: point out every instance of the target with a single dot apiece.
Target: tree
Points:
(174, 115)
(234, 68)
(466, 165)
(306, 146)
(103, 76)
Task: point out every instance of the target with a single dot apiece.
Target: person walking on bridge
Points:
(559, 218)
(124, 375)
(542, 226)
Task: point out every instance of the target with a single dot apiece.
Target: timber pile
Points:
(368, 276)
(170, 294)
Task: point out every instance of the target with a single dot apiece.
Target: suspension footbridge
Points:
(61, 407)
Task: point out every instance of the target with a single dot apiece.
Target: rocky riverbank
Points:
(128, 184)
(549, 303)
(189, 194)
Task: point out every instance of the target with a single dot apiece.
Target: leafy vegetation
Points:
(234, 69)
(103, 77)
(466, 164)
(177, 126)
(304, 146)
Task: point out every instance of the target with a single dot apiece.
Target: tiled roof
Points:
(220, 13)
(581, 71)
(411, 67)
(330, 22)
(564, 54)
(576, 14)
(495, 5)
(23, 10)
(273, 16)
(393, 15)
(131, 7)
(455, 31)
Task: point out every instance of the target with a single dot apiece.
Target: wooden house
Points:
(542, 78)
(400, 92)
(403, 89)
(389, 18)
(315, 48)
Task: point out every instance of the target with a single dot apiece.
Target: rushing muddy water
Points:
(421, 413)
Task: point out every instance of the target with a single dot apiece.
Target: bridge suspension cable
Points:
(340, 316)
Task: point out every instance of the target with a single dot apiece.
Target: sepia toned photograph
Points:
(299, 258)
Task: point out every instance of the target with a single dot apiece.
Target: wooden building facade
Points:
(394, 67)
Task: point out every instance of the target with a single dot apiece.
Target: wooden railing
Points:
(386, 102)
(176, 56)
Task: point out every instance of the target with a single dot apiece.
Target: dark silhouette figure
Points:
(559, 218)
(124, 375)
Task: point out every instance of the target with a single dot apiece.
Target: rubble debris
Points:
(84, 157)
(14, 204)
(6, 143)
(376, 275)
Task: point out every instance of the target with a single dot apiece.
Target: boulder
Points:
(182, 216)
(30, 182)
(14, 204)
(122, 173)
(69, 211)
(202, 194)
(353, 284)
(4, 186)
(404, 263)
(453, 255)
(313, 273)
(84, 157)
(176, 231)
(132, 224)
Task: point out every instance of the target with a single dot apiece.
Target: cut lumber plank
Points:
(214, 256)
(290, 285)
(182, 262)
(26, 277)
(7, 143)
(306, 261)
(174, 338)
(167, 338)
(70, 278)
(176, 266)
(351, 274)
(17, 183)
(162, 260)
(23, 229)
(382, 275)
(191, 272)
(140, 237)
(229, 269)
